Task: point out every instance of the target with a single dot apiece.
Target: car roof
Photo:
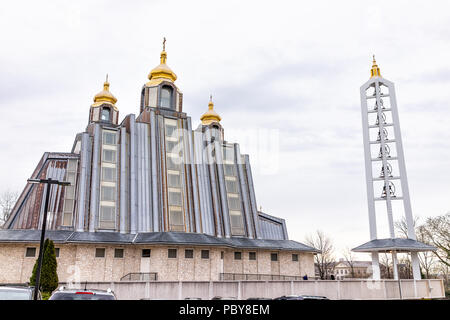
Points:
(96, 291)
(18, 288)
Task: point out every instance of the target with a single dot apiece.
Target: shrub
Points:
(49, 276)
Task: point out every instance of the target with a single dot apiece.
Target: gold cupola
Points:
(161, 72)
(210, 116)
(105, 96)
(375, 71)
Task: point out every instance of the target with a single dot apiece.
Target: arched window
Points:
(166, 97)
(105, 116)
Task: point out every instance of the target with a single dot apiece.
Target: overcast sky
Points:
(287, 70)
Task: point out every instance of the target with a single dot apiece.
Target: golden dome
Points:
(210, 116)
(375, 71)
(104, 96)
(162, 71)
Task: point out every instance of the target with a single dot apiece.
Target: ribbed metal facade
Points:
(133, 183)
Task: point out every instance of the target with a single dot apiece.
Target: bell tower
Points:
(211, 121)
(104, 107)
(386, 180)
(160, 91)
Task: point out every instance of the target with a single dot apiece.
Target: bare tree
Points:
(402, 227)
(436, 231)
(7, 201)
(386, 266)
(350, 260)
(444, 271)
(427, 259)
(325, 259)
(405, 267)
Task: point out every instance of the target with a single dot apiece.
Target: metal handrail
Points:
(256, 276)
(140, 276)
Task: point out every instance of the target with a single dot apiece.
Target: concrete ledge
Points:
(332, 289)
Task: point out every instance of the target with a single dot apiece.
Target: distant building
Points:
(361, 269)
(341, 269)
(150, 198)
(328, 270)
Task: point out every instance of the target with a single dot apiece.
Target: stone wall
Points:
(77, 263)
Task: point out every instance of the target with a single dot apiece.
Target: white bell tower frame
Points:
(383, 150)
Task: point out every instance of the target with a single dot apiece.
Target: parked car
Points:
(305, 297)
(82, 294)
(223, 298)
(18, 293)
(258, 298)
(290, 297)
(301, 297)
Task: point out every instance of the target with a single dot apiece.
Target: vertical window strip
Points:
(174, 154)
(233, 194)
(108, 181)
(69, 194)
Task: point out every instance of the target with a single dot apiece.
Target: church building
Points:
(150, 198)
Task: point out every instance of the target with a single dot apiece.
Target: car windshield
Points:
(80, 296)
(14, 294)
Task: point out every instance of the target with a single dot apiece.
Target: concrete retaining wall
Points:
(335, 290)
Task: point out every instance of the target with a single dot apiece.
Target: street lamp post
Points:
(49, 182)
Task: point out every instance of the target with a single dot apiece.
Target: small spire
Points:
(162, 71)
(106, 84)
(210, 116)
(104, 96)
(210, 104)
(375, 71)
(164, 53)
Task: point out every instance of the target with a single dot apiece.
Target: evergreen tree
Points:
(49, 276)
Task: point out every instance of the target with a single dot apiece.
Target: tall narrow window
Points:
(174, 159)
(166, 97)
(108, 182)
(106, 113)
(69, 196)
(233, 192)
